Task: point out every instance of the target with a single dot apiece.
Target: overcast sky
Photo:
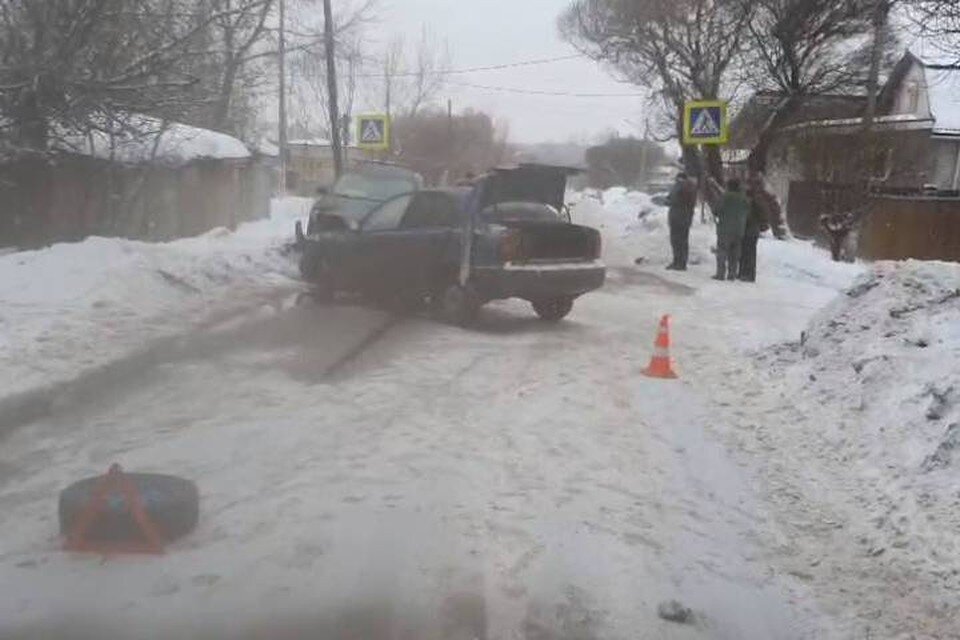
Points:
(490, 32)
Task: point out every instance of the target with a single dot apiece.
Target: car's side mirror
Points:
(322, 191)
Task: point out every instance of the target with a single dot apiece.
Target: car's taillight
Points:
(597, 246)
(511, 246)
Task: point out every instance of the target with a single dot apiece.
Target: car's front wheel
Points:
(458, 305)
(314, 270)
(553, 309)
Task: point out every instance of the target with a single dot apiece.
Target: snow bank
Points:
(838, 385)
(890, 350)
(793, 275)
(177, 144)
(73, 306)
(870, 399)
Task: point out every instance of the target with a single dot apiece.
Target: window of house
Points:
(881, 163)
(913, 96)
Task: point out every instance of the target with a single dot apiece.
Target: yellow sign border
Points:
(380, 146)
(688, 108)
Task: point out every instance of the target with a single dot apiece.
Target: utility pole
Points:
(332, 89)
(450, 142)
(643, 153)
(282, 106)
(388, 82)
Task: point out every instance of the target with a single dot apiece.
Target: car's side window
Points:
(389, 215)
(431, 210)
(447, 211)
(420, 212)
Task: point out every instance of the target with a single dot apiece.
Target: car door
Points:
(423, 248)
(376, 252)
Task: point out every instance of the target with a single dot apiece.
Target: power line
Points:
(534, 92)
(495, 67)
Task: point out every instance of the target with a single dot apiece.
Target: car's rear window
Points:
(520, 212)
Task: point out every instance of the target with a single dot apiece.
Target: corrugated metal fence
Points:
(896, 228)
(69, 198)
(892, 227)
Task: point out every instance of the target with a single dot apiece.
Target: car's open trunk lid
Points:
(526, 183)
(555, 241)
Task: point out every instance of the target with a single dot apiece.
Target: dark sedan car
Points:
(462, 247)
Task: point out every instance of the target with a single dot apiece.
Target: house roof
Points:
(943, 90)
(750, 120)
(309, 142)
(177, 143)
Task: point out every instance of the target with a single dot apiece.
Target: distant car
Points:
(462, 247)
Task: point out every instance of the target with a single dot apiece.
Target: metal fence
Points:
(807, 201)
(72, 197)
(900, 227)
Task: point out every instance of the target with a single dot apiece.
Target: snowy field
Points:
(514, 481)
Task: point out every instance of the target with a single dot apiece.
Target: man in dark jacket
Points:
(731, 215)
(682, 201)
(756, 224)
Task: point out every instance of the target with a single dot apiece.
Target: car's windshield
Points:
(355, 195)
(520, 212)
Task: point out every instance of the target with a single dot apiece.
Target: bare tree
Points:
(308, 63)
(803, 48)
(411, 83)
(427, 80)
(240, 36)
(680, 49)
(69, 68)
(392, 67)
(938, 22)
(438, 146)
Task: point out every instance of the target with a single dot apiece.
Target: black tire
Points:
(172, 503)
(314, 271)
(553, 309)
(458, 305)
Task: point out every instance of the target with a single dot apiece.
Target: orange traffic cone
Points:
(660, 362)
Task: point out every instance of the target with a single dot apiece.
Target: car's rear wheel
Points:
(458, 305)
(553, 309)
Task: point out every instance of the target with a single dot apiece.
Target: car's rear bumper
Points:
(538, 281)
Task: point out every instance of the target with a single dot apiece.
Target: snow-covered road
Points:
(367, 476)
(528, 472)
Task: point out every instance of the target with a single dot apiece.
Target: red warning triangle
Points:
(113, 482)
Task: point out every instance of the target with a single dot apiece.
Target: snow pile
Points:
(892, 346)
(170, 144)
(635, 232)
(76, 306)
(631, 224)
(877, 378)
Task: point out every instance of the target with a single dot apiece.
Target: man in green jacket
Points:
(731, 216)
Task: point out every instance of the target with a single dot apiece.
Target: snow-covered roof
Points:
(177, 144)
(309, 142)
(943, 90)
(266, 148)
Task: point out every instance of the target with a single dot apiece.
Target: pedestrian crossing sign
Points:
(705, 122)
(373, 132)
